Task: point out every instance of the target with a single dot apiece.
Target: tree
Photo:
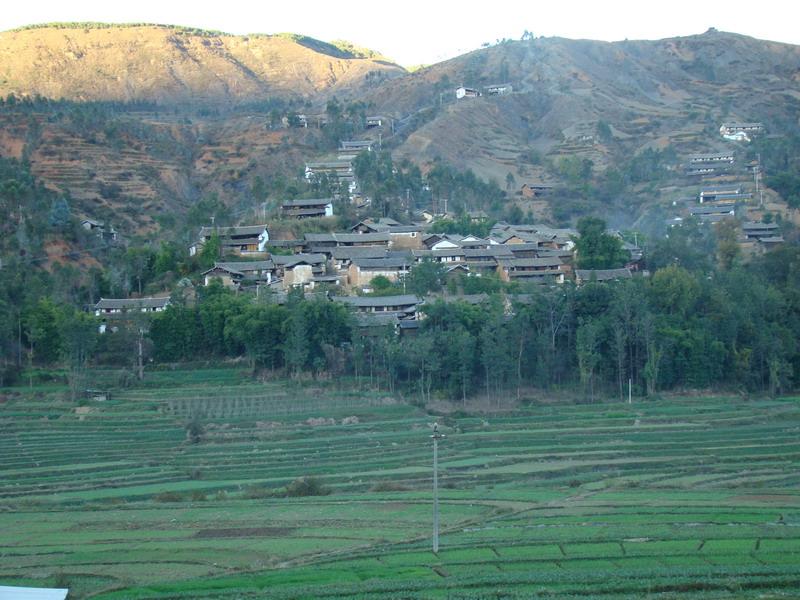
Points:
(79, 333)
(587, 344)
(211, 252)
(425, 277)
(595, 248)
(296, 345)
(728, 249)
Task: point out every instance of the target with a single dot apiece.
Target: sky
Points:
(414, 32)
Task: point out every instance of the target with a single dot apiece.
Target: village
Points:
(366, 266)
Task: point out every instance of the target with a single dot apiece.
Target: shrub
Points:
(306, 486)
(389, 486)
(168, 497)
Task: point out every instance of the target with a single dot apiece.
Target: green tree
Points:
(426, 276)
(79, 334)
(596, 249)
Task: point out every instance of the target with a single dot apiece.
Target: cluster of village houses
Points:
(725, 196)
(349, 261)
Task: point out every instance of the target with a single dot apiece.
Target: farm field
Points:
(690, 497)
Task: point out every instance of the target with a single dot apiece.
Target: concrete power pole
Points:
(436, 437)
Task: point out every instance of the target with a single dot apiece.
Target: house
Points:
(232, 274)
(443, 255)
(700, 170)
(363, 270)
(374, 121)
(321, 241)
(309, 208)
(713, 213)
(476, 216)
(401, 236)
(712, 157)
(586, 275)
(100, 229)
(299, 269)
(757, 231)
(531, 269)
(535, 190)
(8, 592)
(712, 193)
(341, 169)
(733, 127)
(355, 146)
(241, 240)
(121, 306)
(342, 256)
(404, 306)
(499, 89)
(472, 242)
(376, 324)
(465, 92)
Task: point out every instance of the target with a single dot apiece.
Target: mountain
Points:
(168, 64)
(650, 93)
(201, 126)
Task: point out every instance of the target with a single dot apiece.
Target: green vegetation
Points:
(687, 497)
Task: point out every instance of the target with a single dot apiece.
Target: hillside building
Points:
(465, 92)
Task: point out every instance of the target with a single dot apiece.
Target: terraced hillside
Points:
(130, 167)
(694, 497)
(651, 93)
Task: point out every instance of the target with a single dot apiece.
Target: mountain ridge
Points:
(174, 64)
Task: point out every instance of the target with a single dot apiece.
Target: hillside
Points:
(176, 65)
(651, 93)
(202, 124)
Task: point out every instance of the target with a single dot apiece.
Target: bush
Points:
(389, 486)
(168, 497)
(197, 496)
(306, 486)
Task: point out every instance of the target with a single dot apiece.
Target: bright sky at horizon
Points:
(416, 32)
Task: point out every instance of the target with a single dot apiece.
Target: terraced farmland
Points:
(676, 498)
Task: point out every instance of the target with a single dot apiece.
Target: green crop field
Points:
(690, 497)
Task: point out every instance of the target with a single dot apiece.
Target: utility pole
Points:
(436, 437)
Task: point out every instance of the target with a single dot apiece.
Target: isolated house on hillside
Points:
(241, 240)
(120, 306)
(535, 190)
(123, 309)
(355, 146)
(100, 229)
(712, 157)
(465, 92)
(713, 213)
(499, 89)
(734, 127)
(712, 193)
(767, 234)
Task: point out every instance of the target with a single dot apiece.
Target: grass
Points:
(691, 498)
